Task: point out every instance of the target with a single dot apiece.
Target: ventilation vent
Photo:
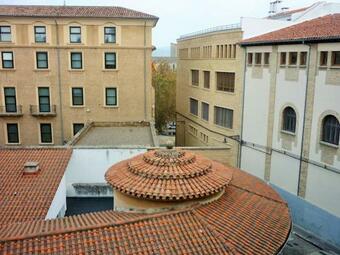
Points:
(31, 167)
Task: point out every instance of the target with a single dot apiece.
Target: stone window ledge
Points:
(329, 145)
(288, 132)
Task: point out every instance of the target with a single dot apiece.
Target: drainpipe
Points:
(242, 112)
(59, 84)
(304, 118)
(145, 90)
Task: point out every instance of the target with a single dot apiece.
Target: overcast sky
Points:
(177, 17)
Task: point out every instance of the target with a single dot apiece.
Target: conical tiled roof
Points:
(169, 175)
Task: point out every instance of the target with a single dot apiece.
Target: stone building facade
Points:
(63, 67)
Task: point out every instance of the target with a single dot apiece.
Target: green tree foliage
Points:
(164, 82)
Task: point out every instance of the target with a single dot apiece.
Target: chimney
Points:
(31, 167)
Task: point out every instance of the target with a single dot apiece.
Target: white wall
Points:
(88, 166)
(58, 205)
(253, 161)
(318, 10)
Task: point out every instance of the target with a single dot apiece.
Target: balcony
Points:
(43, 110)
(11, 111)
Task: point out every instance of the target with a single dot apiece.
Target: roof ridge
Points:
(258, 194)
(70, 229)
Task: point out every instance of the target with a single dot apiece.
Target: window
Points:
(224, 117)
(109, 34)
(75, 34)
(10, 100)
(225, 81)
(40, 34)
(205, 111)
(206, 79)
(266, 58)
(335, 58)
(77, 127)
(7, 59)
(44, 99)
(111, 96)
(76, 60)
(258, 58)
(292, 58)
(283, 58)
(42, 60)
(110, 60)
(46, 133)
(194, 77)
(77, 96)
(303, 58)
(289, 120)
(330, 130)
(12, 133)
(323, 58)
(5, 34)
(193, 106)
(250, 58)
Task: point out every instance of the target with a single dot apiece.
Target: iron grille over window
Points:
(225, 81)
(40, 34)
(75, 34)
(194, 106)
(5, 34)
(224, 117)
(330, 130)
(110, 34)
(289, 120)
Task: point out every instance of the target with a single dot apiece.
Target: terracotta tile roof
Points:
(169, 175)
(319, 29)
(240, 222)
(72, 11)
(28, 197)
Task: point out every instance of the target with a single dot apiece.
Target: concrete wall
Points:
(87, 167)
(58, 205)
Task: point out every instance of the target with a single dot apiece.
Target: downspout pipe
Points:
(59, 84)
(304, 118)
(242, 112)
(145, 71)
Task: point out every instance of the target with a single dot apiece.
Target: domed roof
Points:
(169, 175)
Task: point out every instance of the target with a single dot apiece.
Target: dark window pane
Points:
(10, 100)
(77, 127)
(76, 60)
(225, 81)
(224, 117)
(7, 59)
(46, 133)
(323, 58)
(292, 58)
(40, 34)
(77, 96)
(194, 77)
(289, 120)
(336, 58)
(75, 34)
(12, 133)
(5, 34)
(44, 100)
(194, 106)
(110, 34)
(205, 111)
(206, 79)
(111, 96)
(110, 60)
(42, 60)
(330, 130)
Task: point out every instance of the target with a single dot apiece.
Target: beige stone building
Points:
(209, 88)
(63, 67)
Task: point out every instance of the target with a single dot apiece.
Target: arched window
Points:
(289, 120)
(330, 130)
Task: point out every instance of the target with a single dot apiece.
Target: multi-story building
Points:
(290, 134)
(64, 66)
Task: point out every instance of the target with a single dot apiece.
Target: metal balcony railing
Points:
(11, 111)
(43, 110)
(211, 30)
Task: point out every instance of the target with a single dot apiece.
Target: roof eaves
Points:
(292, 41)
